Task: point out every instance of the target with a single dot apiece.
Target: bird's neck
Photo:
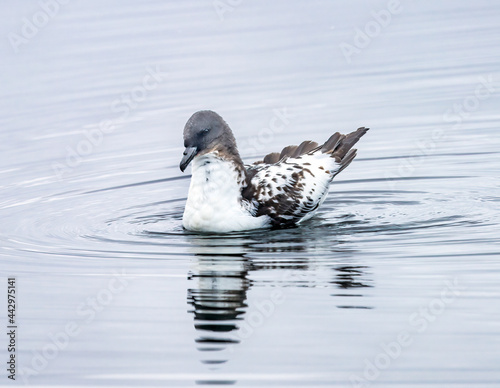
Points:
(216, 171)
(215, 200)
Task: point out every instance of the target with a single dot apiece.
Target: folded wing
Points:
(291, 185)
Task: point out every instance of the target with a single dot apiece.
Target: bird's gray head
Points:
(206, 131)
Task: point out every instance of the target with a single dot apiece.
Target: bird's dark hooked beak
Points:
(189, 154)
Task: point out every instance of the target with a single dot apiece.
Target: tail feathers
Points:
(291, 151)
(271, 158)
(340, 147)
(305, 147)
(332, 143)
(346, 161)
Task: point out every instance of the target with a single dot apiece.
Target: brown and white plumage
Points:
(281, 190)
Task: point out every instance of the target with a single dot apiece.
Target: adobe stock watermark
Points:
(455, 115)
(371, 30)
(87, 311)
(277, 124)
(419, 322)
(264, 309)
(30, 28)
(257, 317)
(123, 107)
(222, 7)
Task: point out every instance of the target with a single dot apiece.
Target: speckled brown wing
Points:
(291, 185)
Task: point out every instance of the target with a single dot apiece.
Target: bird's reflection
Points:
(220, 282)
(349, 276)
(217, 299)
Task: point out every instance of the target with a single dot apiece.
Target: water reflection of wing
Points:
(302, 269)
(351, 280)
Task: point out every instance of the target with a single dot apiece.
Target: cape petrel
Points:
(282, 190)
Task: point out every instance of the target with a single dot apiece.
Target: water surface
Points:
(393, 283)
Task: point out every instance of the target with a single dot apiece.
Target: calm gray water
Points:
(396, 282)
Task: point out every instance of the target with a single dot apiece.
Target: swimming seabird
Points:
(282, 190)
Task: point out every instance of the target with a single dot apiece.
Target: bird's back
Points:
(291, 185)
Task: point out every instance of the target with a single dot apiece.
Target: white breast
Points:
(214, 199)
